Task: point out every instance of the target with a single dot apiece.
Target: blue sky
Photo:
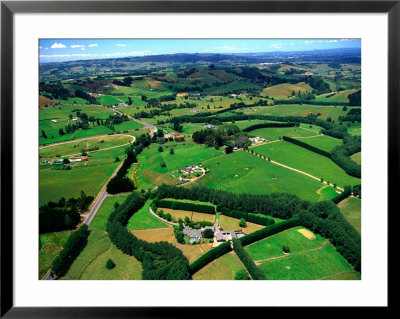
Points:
(52, 50)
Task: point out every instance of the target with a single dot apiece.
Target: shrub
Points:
(242, 274)
(286, 249)
(242, 223)
(208, 233)
(255, 272)
(110, 264)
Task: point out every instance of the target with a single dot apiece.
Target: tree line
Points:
(64, 214)
(280, 205)
(324, 218)
(255, 272)
(159, 260)
(73, 247)
(248, 217)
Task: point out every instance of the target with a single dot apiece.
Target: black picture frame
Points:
(9, 8)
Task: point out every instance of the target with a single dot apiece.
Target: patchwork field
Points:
(241, 172)
(341, 96)
(351, 210)
(222, 268)
(307, 161)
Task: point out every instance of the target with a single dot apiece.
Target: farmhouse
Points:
(257, 139)
(192, 233)
(209, 126)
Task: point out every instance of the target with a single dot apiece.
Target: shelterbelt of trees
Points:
(159, 260)
(64, 214)
(323, 218)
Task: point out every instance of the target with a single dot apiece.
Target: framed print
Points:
(196, 154)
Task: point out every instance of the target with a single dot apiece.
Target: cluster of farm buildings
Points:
(174, 136)
(220, 235)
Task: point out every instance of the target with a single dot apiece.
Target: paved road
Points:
(152, 128)
(94, 208)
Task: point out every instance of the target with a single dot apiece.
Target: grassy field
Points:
(76, 147)
(144, 220)
(325, 263)
(275, 133)
(241, 172)
(351, 210)
(151, 173)
(89, 177)
(307, 161)
(311, 257)
(51, 246)
(356, 157)
(341, 96)
(194, 216)
(299, 110)
(230, 223)
(284, 90)
(91, 263)
(323, 142)
(354, 129)
(222, 268)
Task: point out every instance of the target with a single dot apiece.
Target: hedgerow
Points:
(75, 244)
(210, 256)
(172, 204)
(160, 260)
(255, 272)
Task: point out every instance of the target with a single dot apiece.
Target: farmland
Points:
(308, 161)
(210, 133)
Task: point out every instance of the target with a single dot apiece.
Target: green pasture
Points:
(271, 247)
(151, 173)
(299, 110)
(51, 246)
(323, 142)
(275, 133)
(108, 100)
(307, 161)
(75, 148)
(341, 96)
(144, 220)
(356, 157)
(91, 263)
(325, 263)
(89, 177)
(241, 172)
(351, 210)
(354, 129)
(222, 268)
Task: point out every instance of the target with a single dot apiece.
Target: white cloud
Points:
(331, 41)
(58, 46)
(276, 45)
(95, 55)
(83, 49)
(292, 43)
(308, 41)
(93, 45)
(121, 45)
(40, 48)
(74, 46)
